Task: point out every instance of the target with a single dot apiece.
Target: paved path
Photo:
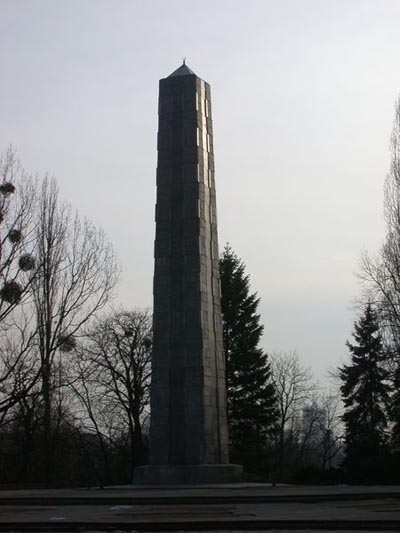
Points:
(235, 507)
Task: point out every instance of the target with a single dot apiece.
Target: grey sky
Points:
(303, 96)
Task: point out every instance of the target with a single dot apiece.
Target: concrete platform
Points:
(203, 508)
(188, 474)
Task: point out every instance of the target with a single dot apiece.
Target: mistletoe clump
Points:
(147, 342)
(66, 343)
(128, 332)
(7, 188)
(26, 262)
(15, 235)
(11, 292)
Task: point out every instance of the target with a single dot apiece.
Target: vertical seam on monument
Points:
(215, 347)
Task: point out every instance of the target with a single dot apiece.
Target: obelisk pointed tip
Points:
(183, 70)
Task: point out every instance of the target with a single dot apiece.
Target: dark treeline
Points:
(98, 418)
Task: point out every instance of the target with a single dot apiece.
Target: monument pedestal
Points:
(187, 474)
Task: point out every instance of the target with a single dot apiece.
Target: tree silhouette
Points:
(113, 370)
(365, 394)
(252, 409)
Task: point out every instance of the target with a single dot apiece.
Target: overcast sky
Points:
(303, 98)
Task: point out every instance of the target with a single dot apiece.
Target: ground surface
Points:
(205, 508)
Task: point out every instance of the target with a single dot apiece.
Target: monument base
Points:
(187, 474)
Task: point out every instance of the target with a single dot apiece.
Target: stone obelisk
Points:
(188, 424)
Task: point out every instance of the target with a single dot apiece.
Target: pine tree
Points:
(252, 409)
(395, 412)
(365, 394)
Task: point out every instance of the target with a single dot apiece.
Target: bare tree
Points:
(311, 434)
(17, 211)
(77, 272)
(295, 386)
(380, 275)
(56, 272)
(113, 377)
(20, 371)
(18, 267)
(332, 443)
(320, 439)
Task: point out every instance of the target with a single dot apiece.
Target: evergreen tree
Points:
(395, 412)
(252, 409)
(365, 394)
